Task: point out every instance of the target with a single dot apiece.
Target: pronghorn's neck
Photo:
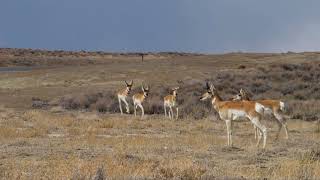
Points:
(246, 98)
(216, 98)
(139, 98)
(125, 92)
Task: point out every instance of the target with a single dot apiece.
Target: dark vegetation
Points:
(39, 57)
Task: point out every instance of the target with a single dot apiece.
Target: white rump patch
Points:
(259, 108)
(282, 106)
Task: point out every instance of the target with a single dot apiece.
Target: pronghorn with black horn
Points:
(276, 108)
(123, 94)
(138, 99)
(170, 101)
(232, 110)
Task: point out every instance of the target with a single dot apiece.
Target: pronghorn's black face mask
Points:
(242, 95)
(237, 97)
(175, 91)
(145, 91)
(129, 86)
(206, 95)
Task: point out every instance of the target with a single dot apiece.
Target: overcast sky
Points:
(208, 26)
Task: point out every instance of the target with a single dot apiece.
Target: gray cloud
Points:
(166, 25)
(304, 38)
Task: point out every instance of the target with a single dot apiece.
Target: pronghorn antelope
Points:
(123, 94)
(232, 110)
(170, 101)
(138, 99)
(274, 107)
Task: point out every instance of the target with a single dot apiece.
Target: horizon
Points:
(204, 27)
(156, 52)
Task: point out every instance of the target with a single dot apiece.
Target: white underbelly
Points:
(235, 114)
(268, 111)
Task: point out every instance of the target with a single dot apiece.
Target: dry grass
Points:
(78, 145)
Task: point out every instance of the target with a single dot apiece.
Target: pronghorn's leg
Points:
(127, 105)
(229, 131)
(258, 132)
(177, 113)
(135, 109)
(165, 110)
(255, 132)
(262, 129)
(281, 122)
(286, 129)
(259, 137)
(120, 105)
(142, 110)
(171, 112)
(231, 128)
(279, 128)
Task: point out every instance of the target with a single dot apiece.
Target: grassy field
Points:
(59, 118)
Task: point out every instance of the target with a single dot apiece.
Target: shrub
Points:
(287, 82)
(39, 103)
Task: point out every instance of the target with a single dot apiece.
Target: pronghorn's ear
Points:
(147, 88)
(208, 86)
(212, 88)
(242, 92)
(131, 82)
(126, 82)
(142, 88)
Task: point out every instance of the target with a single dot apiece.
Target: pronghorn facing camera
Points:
(170, 101)
(275, 108)
(123, 94)
(232, 110)
(138, 99)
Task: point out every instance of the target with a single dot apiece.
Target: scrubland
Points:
(59, 119)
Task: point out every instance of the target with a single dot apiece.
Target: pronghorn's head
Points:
(211, 91)
(175, 91)
(145, 91)
(129, 86)
(242, 95)
(237, 97)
